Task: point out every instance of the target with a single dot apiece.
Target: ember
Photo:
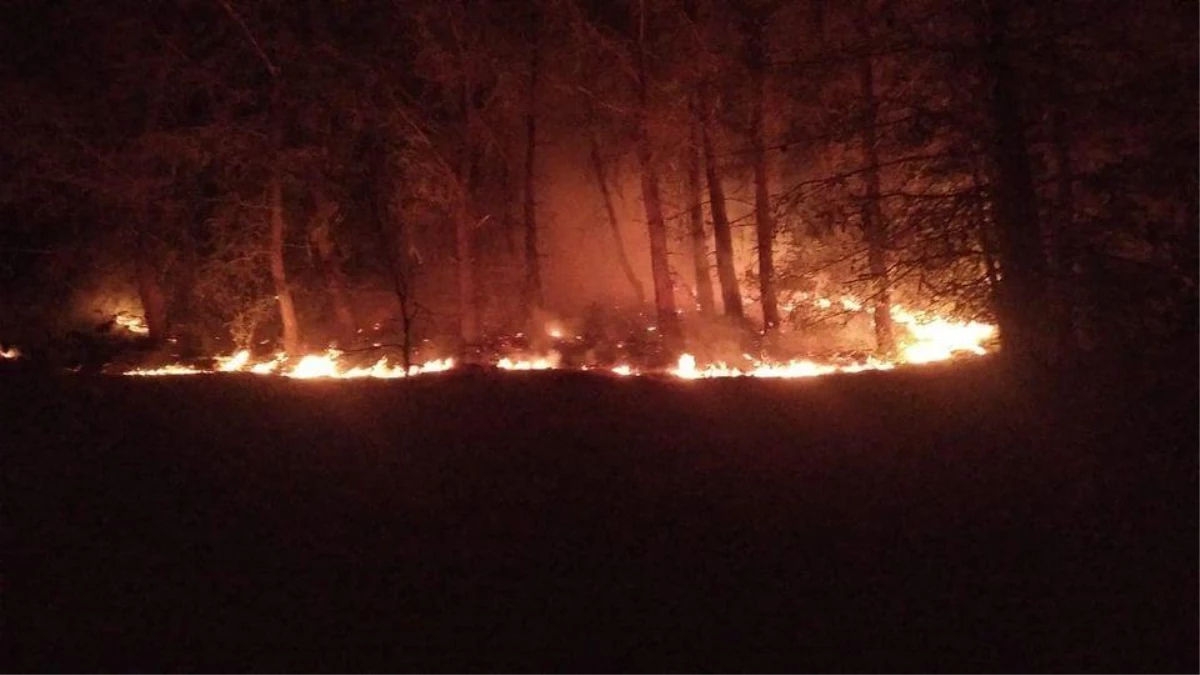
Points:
(931, 338)
(311, 366)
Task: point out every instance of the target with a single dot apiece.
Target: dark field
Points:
(941, 519)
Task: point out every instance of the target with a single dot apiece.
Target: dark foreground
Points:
(961, 519)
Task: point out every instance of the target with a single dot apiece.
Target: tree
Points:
(874, 227)
(731, 297)
(664, 288)
(1020, 303)
(764, 220)
(699, 241)
(533, 278)
(614, 224)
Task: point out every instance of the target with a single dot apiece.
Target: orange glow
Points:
(687, 369)
(934, 338)
(310, 366)
(133, 324)
(172, 369)
(926, 338)
(540, 363)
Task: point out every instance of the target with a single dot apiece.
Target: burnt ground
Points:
(959, 518)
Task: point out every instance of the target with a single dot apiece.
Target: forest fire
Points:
(687, 369)
(930, 338)
(311, 366)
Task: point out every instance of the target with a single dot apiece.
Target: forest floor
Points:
(932, 519)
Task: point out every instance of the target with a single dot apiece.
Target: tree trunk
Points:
(704, 289)
(464, 244)
(154, 301)
(392, 239)
(464, 232)
(287, 309)
(1020, 301)
(615, 224)
(335, 279)
(149, 283)
(875, 229)
(1061, 247)
(533, 278)
(764, 221)
(731, 295)
(664, 291)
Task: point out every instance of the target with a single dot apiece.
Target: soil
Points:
(958, 518)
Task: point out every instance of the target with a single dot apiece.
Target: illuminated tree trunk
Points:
(391, 235)
(1020, 301)
(614, 224)
(464, 231)
(763, 218)
(150, 291)
(704, 289)
(146, 273)
(533, 277)
(664, 292)
(875, 230)
(283, 294)
(731, 295)
(331, 266)
(464, 244)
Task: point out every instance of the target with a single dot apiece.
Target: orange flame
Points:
(311, 366)
(928, 338)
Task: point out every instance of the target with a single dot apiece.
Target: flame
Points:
(233, 363)
(172, 369)
(927, 338)
(133, 324)
(10, 353)
(937, 339)
(540, 363)
(687, 369)
(311, 366)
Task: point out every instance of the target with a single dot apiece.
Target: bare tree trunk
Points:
(875, 228)
(731, 295)
(704, 289)
(464, 244)
(533, 277)
(335, 279)
(395, 252)
(149, 283)
(154, 301)
(464, 232)
(763, 218)
(1020, 301)
(1061, 247)
(283, 294)
(615, 224)
(664, 291)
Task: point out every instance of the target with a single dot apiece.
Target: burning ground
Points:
(927, 338)
(960, 517)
